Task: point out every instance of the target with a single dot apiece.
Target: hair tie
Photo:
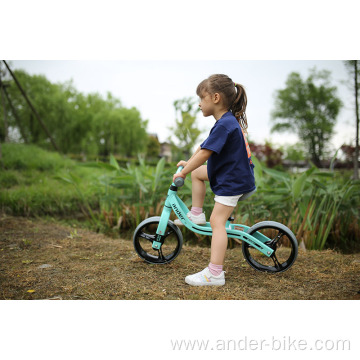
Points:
(235, 84)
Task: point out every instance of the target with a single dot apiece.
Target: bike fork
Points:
(164, 219)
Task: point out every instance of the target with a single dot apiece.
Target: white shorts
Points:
(228, 200)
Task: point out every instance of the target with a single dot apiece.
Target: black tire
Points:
(144, 236)
(282, 240)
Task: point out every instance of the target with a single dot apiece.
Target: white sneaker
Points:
(206, 278)
(196, 219)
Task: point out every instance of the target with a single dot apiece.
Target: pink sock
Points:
(196, 211)
(215, 269)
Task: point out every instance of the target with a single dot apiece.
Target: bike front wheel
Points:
(145, 235)
(280, 239)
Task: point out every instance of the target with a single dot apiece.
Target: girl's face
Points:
(206, 104)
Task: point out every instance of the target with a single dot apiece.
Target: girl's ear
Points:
(216, 98)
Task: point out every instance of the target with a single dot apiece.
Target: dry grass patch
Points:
(44, 260)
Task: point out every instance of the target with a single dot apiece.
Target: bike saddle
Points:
(243, 197)
(247, 195)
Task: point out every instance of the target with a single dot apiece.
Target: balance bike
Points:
(267, 246)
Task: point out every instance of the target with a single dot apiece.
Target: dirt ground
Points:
(46, 260)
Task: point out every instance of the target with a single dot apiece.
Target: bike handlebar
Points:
(179, 181)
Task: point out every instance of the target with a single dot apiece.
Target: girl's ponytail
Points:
(238, 107)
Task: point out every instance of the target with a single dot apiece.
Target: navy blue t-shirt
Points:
(230, 169)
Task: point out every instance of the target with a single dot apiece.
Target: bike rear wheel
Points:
(144, 236)
(281, 240)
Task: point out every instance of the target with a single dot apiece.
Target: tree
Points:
(294, 152)
(185, 130)
(309, 108)
(86, 124)
(3, 124)
(55, 103)
(153, 147)
(353, 67)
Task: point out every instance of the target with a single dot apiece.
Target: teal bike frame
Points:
(237, 231)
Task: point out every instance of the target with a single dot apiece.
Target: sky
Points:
(153, 86)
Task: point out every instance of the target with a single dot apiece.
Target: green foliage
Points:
(8, 179)
(28, 157)
(29, 185)
(120, 131)
(153, 147)
(43, 197)
(322, 208)
(132, 193)
(81, 124)
(76, 182)
(318, 206)
(309, 108)
(295, 152)
(185, 129)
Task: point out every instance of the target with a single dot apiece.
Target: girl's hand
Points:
(180, 174)
(182, 163)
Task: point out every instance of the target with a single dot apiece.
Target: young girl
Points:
(229, 167)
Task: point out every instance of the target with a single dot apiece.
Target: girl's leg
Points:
(198, 178)
(213, 274)
(219, 239)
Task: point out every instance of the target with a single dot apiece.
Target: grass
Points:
(47, 260)
(32, 157)
(30, 184)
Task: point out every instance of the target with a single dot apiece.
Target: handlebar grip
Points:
(179, 181)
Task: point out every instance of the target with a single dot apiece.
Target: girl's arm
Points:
(184, 163)
(197, 150)
(199, 157)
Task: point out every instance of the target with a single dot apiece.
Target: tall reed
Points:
(315, 205)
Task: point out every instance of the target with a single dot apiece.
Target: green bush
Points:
(30, 184)
(31, 157)
(317, 205)
(8, 179)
